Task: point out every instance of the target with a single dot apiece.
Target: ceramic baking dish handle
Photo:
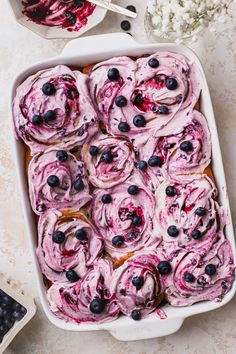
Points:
(102, 43)
(146, 329)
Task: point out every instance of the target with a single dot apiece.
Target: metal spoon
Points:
(115, 8)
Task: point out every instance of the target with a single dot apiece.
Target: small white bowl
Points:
(50, 32)
(10, 287)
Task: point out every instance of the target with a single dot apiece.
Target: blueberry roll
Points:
(152, 95)
(109, 160)
(182, 155)
(124, 217)
(68, 244)
(57, 180)
(88, 300)
(196, 278)
(53, 107)
(188, 215)
(137, 285)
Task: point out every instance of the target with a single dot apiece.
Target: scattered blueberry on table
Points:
(10, 312)
(125, 24)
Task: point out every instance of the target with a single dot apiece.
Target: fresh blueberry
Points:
(62, 155)
(125, 25)
(7, 299)
(79, 185)
(164, 268)
(3, 329)
(17, 316)
(133, 190)
(113, 74)
(81, 235)
(173, 231)
(48, 89)
(37, 119)
(186, 146)
(71, 17)
(136, 315)
(196, 234)
(153, 63)
(124, 127)
(72, 276)
(137, 220)
(118, 240)
(210, 269)
(49, 116)
(93, 150)
(170, 191)
(121, 101)
(189, 277)
(138, 99)
(23, 310)
(9, 322)
(58, 237)
(16, 306)
(142, 165)
(171, 83)
(6, 311)
(200, 211)
(138, 282)
(139, 121)
(53, 181)
(163, 110)
(97, 306)
(131, 8)
(155, 161)
(107, 157)
(106, 198)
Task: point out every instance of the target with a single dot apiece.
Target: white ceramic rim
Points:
(81, 52)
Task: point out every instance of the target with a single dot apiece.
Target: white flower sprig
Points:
(182, 18)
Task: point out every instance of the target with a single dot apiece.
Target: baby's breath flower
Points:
(183, 18)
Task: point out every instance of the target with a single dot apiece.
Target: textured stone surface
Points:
(208, 333)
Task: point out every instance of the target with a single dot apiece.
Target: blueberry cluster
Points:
(10, 312)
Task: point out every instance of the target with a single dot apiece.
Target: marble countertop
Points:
(213, 332)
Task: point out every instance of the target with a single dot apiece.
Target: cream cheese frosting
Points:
(117, 218)
(66, 97)
(137, 284)
(65, 195)
(73, 253)
(112, 164)
(74, 302)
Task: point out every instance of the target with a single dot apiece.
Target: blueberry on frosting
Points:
(113, 74)
(139, 121)
(153, 63)
(37, 119)
(171, 83)
(48, 89)
(124, 127)
(53, 181)
(58, 237)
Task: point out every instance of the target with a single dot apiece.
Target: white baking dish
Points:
(82, 52)
(55, 32)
